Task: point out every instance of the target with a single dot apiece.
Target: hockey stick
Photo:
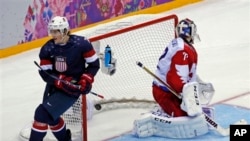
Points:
(66, 82)
(220, 130)
(148, 71)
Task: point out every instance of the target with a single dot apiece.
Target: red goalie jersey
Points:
(176, 67)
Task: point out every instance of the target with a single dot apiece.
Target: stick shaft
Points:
(156, 77)
(97, 95)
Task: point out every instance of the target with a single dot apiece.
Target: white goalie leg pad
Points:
(143, 127)
(178, 127)
(190, 99)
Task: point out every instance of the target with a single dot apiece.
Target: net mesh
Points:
(144, 43)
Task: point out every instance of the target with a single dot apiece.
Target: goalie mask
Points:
(186, 29)
(59, 23)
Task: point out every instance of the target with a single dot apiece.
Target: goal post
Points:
(137, 38)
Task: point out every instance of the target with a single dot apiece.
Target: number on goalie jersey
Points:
(176, 66)
(73, 59)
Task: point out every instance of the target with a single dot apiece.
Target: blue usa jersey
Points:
(73, 59)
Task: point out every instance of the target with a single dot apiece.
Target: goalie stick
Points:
(217, 128)
(66, 82)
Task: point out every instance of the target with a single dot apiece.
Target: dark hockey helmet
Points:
(187, 30)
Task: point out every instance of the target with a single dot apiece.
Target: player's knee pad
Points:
(178, 127)
(41, 115)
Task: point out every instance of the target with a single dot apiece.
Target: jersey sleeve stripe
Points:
(46, 67)
(45, 62)
(91, 58)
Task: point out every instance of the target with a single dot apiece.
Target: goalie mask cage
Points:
(136, 38)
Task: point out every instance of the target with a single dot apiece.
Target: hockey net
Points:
(138, 38)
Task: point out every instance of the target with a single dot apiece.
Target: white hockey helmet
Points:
(59, 23)
(186, 28)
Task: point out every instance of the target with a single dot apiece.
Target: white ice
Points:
(224, 60)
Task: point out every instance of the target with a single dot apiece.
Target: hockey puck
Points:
(98, 106)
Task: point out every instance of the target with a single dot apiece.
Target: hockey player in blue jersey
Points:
(70, 58)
